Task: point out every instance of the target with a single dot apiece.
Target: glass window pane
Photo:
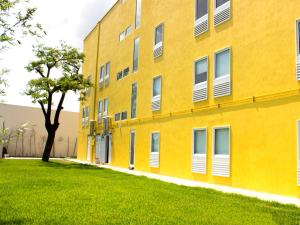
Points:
(220, 2)
(105, 105)
(100, 107)
(201, 8)
(155, 142)
(222, 66)
(156, 86)
(136, 54)
(158, 34)
(201, 71)
(298, 36)
(138, 13)
(120, 75)
(199, 142)
(222, 141)
(133, 100)
(107, 66)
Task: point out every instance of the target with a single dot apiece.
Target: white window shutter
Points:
(298, 67)
(200, 92)
(201, 25)
(222, 13)
(158, 50)
(154, 159)
(221, 166)
(156, 102)
(199, 163)
(222, 86)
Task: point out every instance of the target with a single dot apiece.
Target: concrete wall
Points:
(31, 143)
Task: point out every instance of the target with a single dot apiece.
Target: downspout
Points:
(96, 77)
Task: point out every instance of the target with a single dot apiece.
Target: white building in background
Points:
(31, 142)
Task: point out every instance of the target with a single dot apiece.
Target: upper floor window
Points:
(126, 72)
(222, 11)
(100, 109)
(105, 110)
(222, 81)
(101, 79)
(124, 115)
(136, 54)
(158, 41)
(128, 30)
(200, 80)
(298, 51)
(138, 12)
(107, 73)
(222, 67)
(156, 94)
(201, 8)
(158, 34)
(201, 71)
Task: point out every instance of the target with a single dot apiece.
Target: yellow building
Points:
(204, 90)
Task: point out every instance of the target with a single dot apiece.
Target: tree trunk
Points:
(49, 145)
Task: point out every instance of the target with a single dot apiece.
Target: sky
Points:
(67, 20)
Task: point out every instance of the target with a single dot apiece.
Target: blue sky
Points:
(67, 20)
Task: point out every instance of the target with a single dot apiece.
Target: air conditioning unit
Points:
(106, 124)
(92, 127)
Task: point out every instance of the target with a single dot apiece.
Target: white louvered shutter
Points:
(222, 13)
(156, 103)
(158, 50)
(201, 25)
(199, 163)
(222, 86)
(298, 67)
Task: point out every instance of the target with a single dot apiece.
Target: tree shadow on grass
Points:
(68, 165)
(13, 221)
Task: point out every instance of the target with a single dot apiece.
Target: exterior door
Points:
(98, 149)
(102, 149)
(88, 154)
(132, 149)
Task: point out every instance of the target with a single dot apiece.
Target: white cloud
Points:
(68, 20)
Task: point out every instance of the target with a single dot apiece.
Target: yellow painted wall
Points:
(261, 35)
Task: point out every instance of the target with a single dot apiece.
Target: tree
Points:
(67, 61)
(16, 21)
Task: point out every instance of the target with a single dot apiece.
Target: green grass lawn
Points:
(33, 192)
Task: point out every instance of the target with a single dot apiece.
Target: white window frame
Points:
(105, 111)
(134, 148)
(297, 50)
(193, 139)
(157, 97)
(138, 53)
(138, 13)
(159, 44)
(107, 75)
(135, 83)
(213, 144)
(100, 113)
(155, 132)
(101, 77)
(204, 84)
(227, 77)
(87, 116)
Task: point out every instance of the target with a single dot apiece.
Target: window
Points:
(199, 145)
(107, 69)
(298, 37)
(120, 75)
(117, 116)
(128, 30)
(155, 143)
(101, 74)
(138, 12)
(100, 109)
(220, 2)
(298, 51)
(122, 36)
(133, 100)
(156, 87)
(221, 142)
(83, 117)
(136, 54)
(124, 115)
(201, 8)
(201, 71)
(222, 65)
(105, 107)
(126, 72)
(158, 34)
